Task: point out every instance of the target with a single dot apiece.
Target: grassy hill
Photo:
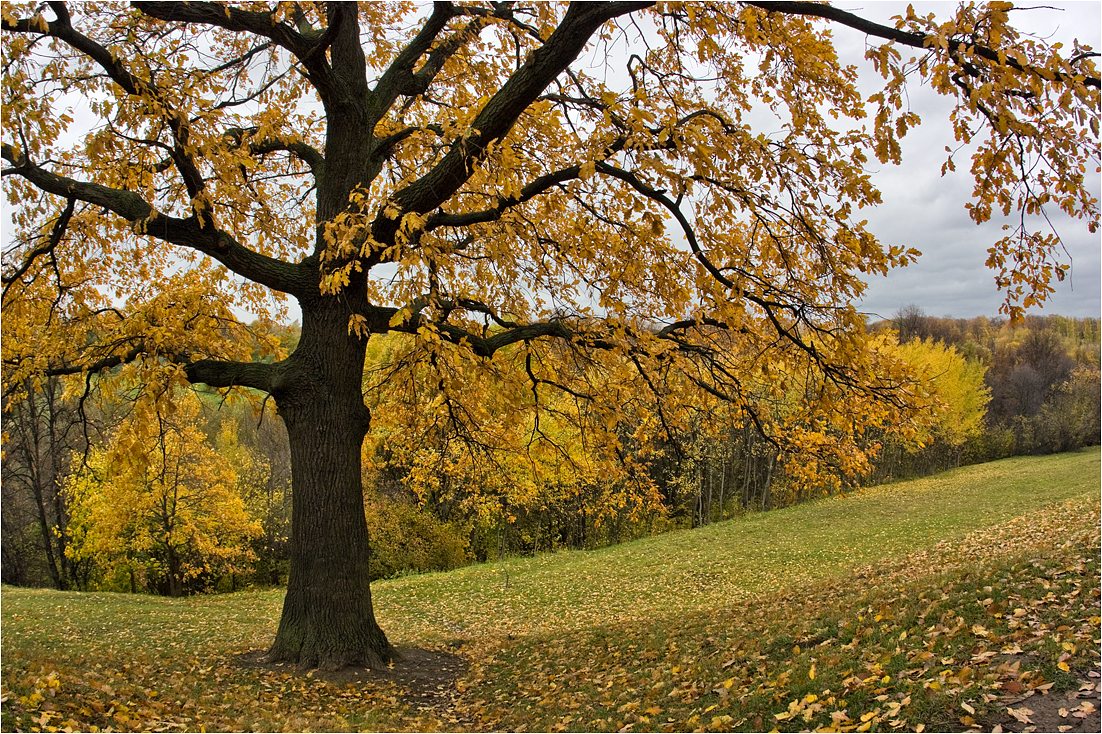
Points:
(964, 600)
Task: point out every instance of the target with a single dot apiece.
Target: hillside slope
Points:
(938, 603)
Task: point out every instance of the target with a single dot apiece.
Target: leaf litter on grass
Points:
(798, 619)
(951, 630)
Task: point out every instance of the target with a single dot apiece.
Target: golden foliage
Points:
(159, 503)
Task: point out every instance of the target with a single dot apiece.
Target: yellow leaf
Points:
(399, 317)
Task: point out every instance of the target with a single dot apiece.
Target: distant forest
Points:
(1043, 377)
(212, 511)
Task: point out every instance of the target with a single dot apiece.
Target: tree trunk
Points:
(710, 476)
(768, 482)
(722, 487)
(174, 579)
(328, 620)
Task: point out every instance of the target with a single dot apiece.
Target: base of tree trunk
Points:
(328, 621)
(333, 647)
(426, 677)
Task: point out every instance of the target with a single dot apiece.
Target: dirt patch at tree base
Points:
(427, 677)
(1072, 711)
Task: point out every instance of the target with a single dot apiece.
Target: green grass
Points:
(711, 628)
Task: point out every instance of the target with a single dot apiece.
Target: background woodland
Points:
(108, 492)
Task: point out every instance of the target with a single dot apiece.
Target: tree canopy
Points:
(667, 193)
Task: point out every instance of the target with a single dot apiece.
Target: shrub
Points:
(405, 538)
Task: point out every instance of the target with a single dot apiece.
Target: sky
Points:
(924, 210)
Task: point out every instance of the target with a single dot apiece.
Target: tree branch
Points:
(212, 372)
(907, 38)
(302, 150)
(552, 179)
(501, 112)
(57, 232)
(272, 272)
(768, 306)
(398, 77)
(309, 51)
(220, 373)
(105, 363)
(533, 189)
(63, 30)
(348, 62)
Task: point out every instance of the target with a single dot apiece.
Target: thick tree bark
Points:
(328, 620)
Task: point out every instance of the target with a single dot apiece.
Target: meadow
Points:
(966, 600)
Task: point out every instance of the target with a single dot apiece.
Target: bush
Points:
(406, 538)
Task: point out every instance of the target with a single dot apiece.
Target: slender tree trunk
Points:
(696, 499)
(710, 469)
(768, 482)
(722, 487)
(57, 455)
(328, 620)
(37, 459)
(45, 528)
(747, 494)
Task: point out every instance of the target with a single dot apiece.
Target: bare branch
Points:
(57, 232)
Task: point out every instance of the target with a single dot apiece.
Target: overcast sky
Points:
(924, 210)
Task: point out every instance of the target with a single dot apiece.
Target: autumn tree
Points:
(256, 446)
(954, 396)
(489, 175)
(522, 466)
(159, 504)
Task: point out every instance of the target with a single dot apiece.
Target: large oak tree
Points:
(676, 187)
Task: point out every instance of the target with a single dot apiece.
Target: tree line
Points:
(1043, 378)
(115, 493)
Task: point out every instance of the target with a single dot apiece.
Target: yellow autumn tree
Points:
(159, 506)
(957, 386)
(950, 409)
(484, 175)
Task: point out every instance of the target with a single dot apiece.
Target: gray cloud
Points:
(925, 210)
